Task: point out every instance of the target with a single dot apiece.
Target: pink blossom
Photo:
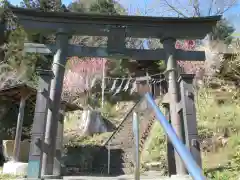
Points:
(82, 72)
(189, 67)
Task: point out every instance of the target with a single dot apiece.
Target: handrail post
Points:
(109, 161)
(136, 142)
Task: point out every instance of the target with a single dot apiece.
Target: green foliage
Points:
(44, 5)
(8, 177)
(104, 7)
(215, 117)
(230, 67)
(97, 6)
(155, 150)
(212, 118)
(24, 65)
(96, 139)
(223, 31)
(8, 119)
(80, 150)
(228, 171)
(118, 67)
(162, 65)
(221, 175)
(108, 111)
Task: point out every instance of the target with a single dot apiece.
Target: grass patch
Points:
(96, 139)
(7, 176)
(155, 145)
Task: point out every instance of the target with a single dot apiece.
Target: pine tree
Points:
(223, 31)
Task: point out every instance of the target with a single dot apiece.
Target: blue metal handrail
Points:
(192, 167)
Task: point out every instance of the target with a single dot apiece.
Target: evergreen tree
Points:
(24, 65)
(97, 6)
(44, 5)
(223, 31)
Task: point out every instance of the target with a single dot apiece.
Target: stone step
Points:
(128, 177)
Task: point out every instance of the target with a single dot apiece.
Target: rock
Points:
(155, 166)
(91, 122)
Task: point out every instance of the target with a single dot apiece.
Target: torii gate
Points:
(117, 29)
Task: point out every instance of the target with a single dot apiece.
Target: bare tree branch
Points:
(210, 8)
(174, 9)
(229, 7)
(196, 6)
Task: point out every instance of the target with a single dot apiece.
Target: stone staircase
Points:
(121, 143)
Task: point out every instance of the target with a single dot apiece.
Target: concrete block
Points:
(181, 177)
(8, 150)
(15, 168)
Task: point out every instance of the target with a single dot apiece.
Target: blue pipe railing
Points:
(192, 167)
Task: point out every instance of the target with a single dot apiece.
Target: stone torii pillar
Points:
(39, 124)
(189, 119)
(58, 68)
(170, 149)
(172, 75)
(59, 142)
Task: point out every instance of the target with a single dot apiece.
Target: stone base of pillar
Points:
(181, 177)
(51, 177)
(15, 168)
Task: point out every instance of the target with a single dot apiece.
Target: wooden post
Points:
(189, 116)
(17, 142)
(136, 142)
(169, 46)
(39, 124)
(59, 143)
(103, 84)
(58, 68)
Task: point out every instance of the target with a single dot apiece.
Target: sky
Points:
(148, 7)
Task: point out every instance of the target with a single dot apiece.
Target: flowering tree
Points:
(82, 75)
(188, 67)
(185, 45)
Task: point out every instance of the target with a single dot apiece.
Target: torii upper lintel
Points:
(99, 25)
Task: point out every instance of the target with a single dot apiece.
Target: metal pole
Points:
(103, 84)
(109, 160)
(136, 141)
(58, 68)
(184, 153)
(169, 47)
(17, 142)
